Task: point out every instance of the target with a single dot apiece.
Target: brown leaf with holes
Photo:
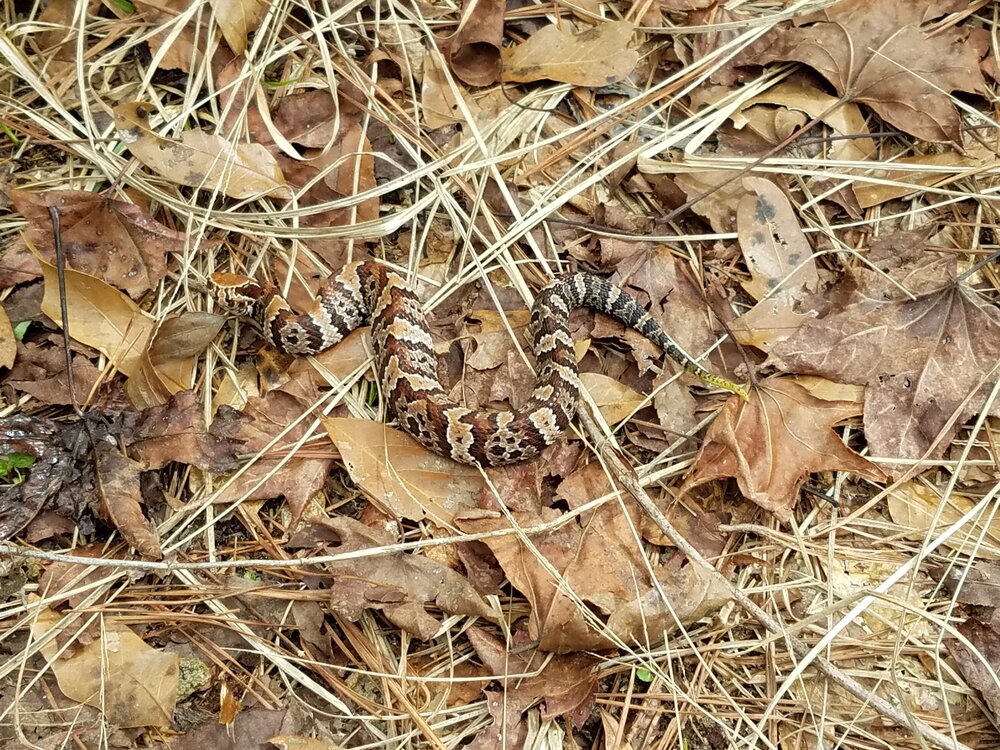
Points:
(401, 585)
(780, 261)
(401, 476)
(117, 242)
(596, 56)
(878, 53)
(772, 442)
(928, 362)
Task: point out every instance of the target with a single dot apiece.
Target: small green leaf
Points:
(21, 329)
(644, 675)
(125, 5)
(11, 465)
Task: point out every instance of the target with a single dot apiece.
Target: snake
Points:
(368, 292)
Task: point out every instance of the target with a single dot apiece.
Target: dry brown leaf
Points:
(979, 160)
(117, 478)
(117, 242)
(565, 686)
(597, 558)
(780, 262)
(595, 57)
(187, 48)
(100, 316)
(614, 399)
(132, 684)
(877, 53)
(41, 372)
(199, 159)
(772, 442)
(400, 475)
(299, 478)
(474, 50)
(399, 584)
(914, 505)
(846, 120)
(237, 19)
(176, 431)
(8, 342)
(983, 640)
(927, 362)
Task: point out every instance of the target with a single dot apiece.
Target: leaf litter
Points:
(780, 188)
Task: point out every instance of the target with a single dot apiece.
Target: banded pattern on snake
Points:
(368, 292)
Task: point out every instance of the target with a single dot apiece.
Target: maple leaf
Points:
(874, 52)
(772, 442)
(927, 362)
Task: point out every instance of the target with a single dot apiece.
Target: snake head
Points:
(238, 294)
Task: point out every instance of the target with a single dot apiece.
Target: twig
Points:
(796, 646)
(63, 307)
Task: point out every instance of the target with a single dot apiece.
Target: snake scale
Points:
(368, 292)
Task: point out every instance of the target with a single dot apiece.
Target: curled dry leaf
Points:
(401, 585)
(595, 57)
(8, 342)
(199, 159)
(772, 442)
(131, 683)
(400, 475)
(117, 478)
(877, 53)
(474, 51)
(780, 261)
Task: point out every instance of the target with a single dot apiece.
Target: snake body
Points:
(368, 292)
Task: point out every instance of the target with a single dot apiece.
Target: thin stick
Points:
(63, 308)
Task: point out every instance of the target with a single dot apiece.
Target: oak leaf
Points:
(875, 52)
(772, 442)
